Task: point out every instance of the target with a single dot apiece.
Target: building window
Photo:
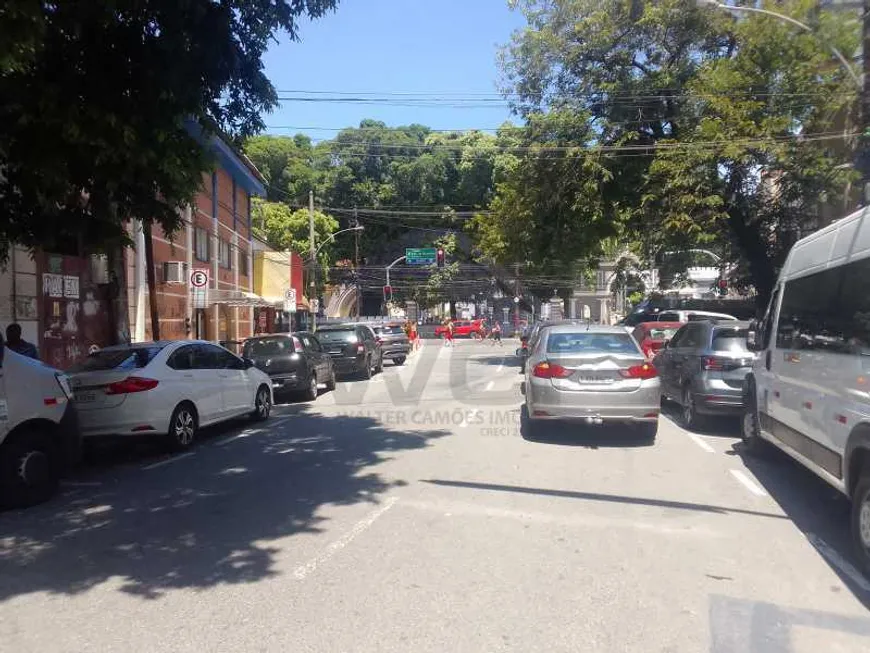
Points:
(200, 244)
(224, 257)
(243, 262)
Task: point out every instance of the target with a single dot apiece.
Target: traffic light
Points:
(723, 287)
(439, 257)
(388, 293)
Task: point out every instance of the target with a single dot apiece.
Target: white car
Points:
(691, 316)
(169, 389)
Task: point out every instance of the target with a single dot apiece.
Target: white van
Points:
(809, 390)
(39, 436)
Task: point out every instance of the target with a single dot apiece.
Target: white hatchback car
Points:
(166, 388)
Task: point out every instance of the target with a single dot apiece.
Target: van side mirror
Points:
(752, 343)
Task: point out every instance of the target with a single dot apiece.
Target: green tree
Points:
(96, 97)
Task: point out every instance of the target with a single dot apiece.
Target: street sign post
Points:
(199, 286)
(290, 300)
(420, 255)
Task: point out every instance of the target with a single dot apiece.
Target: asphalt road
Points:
(408, 513)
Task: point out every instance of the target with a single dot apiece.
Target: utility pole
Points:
(311, 263)
(516, 298)
(356, 261)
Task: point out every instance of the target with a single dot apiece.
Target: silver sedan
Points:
(593, 374)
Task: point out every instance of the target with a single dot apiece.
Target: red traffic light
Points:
(388, 293)
(439, 257)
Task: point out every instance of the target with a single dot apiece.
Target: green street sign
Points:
(420, 255)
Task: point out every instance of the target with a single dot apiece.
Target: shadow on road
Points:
(203, 521)
(578, 434)
(722, 425)
(817, 509)
(595, 496)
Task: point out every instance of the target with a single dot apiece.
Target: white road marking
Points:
(304, 570)
(489, 386)
(748, 483)
(839, 562)
(174, 459)
(249, 432)
(80, 484)
(700, 442)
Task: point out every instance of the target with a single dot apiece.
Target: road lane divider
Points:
(167, 461)
(697, 439)
(748, 483)
(302, 571)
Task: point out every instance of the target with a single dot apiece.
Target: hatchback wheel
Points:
(691, 418)
(262, 404)
(399, 360)
(330, 385)
(311, 391)
(367, 369)
(182, 428)
(29, 469)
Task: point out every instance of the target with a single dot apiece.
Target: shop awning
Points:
(238, 298)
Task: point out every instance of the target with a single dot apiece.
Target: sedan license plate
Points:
(85, 397)
(587, 379)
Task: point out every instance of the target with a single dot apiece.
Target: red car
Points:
(463, 329)
(651, 336)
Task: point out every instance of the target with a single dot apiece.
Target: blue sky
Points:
(442, 48)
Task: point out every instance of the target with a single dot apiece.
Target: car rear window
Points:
(130, 358)
(662, 334)
(585, 342)
(337, 335)
(729, 339)
(390, 330)
(267, 347)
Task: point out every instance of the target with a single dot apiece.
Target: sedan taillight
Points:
(547, 370)
(130, 385)
(642, 372)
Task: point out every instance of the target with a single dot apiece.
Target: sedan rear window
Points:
(129, 358)
(267, 347)
(729, 339)
(587, 343)
(661, 334)
(390, 330)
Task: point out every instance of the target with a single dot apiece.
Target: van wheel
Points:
(29, 469)
(182, 428)
(861, 519)
(749, 428)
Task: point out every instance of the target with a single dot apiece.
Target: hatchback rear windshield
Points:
(337, 335)
(729, 339)
(129, 358)
(390, 330)
(267, 347)
(585, 342)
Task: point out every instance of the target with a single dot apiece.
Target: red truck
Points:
(463, 329)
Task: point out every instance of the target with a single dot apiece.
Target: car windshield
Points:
(129, 358)
(586, 342)
(729, 339)
(267, 347)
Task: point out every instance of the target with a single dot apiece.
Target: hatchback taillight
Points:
(130, 385)
(547, 370)
(360, 349)
(713, 364)
(642, 372)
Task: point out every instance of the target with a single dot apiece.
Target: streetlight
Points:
(311, 263)
(719, 5)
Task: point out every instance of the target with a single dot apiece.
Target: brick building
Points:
(216, 240)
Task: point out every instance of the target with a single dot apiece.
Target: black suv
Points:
(353, 347)
(394, 342)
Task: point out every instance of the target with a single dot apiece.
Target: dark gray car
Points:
(395, 345)
(353, 347)
(295, 362)
(703, 368)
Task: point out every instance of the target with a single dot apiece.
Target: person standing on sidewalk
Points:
(496, 334)
(18, 344)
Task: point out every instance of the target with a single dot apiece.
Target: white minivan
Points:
(809, 390)
(39, 435)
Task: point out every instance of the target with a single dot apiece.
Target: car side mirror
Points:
(248, 363)
(752, 343)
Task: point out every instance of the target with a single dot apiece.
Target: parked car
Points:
(353, 347)
(395, 345)
(39, 434)
(652, 336)
(167, 389)
(703, 368)
(294, 362)
(692, 316)
(808, 392)
(593, 374)
(464, 329)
